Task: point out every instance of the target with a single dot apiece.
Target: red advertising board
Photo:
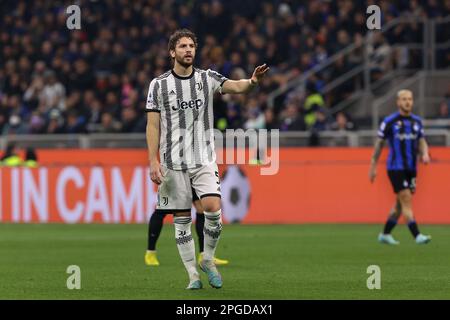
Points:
(324, 185)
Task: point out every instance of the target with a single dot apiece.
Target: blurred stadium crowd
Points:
(55, 80)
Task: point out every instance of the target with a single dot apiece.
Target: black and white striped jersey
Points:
(187, 124)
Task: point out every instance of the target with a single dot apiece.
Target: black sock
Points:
(199, 225)
(390, 224)
(154, 229)
(412, 225)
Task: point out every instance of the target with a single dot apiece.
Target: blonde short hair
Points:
(400, 92)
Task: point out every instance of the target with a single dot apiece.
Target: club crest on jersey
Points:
(199, 86)
(191, 104)
(163, 201)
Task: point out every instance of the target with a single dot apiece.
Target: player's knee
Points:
(211, 204)
(408, 213)
(198, 206)
(404, 198)
(182, 214)
(397, 214)
(398, 207)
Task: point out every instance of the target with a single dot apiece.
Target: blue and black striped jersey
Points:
(403, 134)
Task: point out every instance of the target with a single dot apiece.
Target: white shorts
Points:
(175, 191)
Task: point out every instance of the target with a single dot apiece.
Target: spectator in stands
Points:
(53, 93)
(34, 95)
(10, 158)
(270, 121)
(447, 95)
(340, 67)
(30, 158)
(444, 110)
(442, 118)
(108, 124)
(74, 123)
(233, 117)
(322, 122)
(15, 124)
(380, 54)
(121, 47)
(342, 123)
(129, 120)
(291, 120)
(94, 114)
(313, 101)
(3, 120)
(37, 123)
(255, 117)
(55, 122)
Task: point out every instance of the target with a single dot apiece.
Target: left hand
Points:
(259, 73)
(372, 173)
(426, 158)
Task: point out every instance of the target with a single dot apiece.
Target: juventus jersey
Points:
(187, 124)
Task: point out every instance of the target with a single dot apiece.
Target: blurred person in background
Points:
(55, 122)
(10, 157)
(255, 118)
(291, 36)
(405, 134)
(108, 124)
(53, 93)
(313, 101)
(342, 123)
(291, 119)
(444, 110)
(31, 159)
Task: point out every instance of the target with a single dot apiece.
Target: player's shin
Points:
(155, 226)
(185, 245)
(413, 228)
(390, 224)
(212, 231)
(199, 225)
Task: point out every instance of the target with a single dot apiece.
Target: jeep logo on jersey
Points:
(183, 105)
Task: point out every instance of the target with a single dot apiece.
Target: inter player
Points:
(180, 124)
(405, 134)
(155, 226)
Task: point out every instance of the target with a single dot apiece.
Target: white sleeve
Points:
(216, 80)
(153, 97)
(382, 130)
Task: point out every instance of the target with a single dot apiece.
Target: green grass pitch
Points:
(266, 262)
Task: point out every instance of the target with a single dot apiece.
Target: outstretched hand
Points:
(259, 73)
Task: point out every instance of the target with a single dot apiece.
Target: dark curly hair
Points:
(181, 33)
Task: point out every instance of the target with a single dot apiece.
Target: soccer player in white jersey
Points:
(180, 125)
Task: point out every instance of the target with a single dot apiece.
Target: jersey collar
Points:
(181, 77)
